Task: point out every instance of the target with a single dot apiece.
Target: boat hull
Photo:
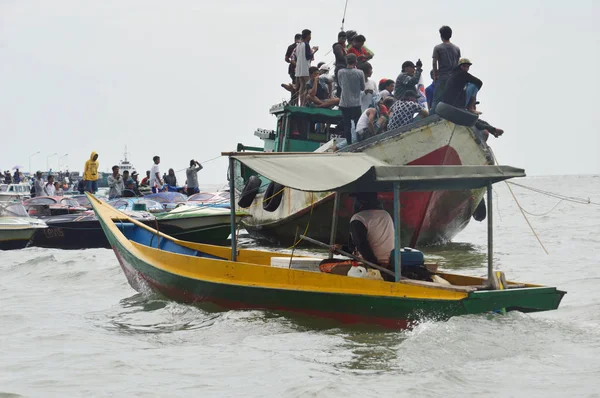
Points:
(427, 217)
(16, 238)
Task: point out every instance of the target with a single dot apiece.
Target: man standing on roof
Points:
(192, 177)
(339, 51)
(155, 182)
(403, 111)
(366, 97)
(445, 59)
(408, 79)
(288, 59)
(304, 56)
(90, 173)
(352, 81)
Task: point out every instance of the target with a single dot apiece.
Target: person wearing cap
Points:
(462, 87)
(461, 92)
(445, 58)
(352, 82)
(386, 88)
(374, 120)
(408, 79)
(134, 176)
(325, 77)
(339, 51)
(403, 111)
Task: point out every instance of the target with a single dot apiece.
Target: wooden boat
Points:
(244, 279)
(429, 217)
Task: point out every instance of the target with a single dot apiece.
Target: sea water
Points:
(71, 326)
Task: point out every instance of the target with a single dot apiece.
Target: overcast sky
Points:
(191, 78)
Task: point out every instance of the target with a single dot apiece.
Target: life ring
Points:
(462, 117)
(273, 196)
(249, 192)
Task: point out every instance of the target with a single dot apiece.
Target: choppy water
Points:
(70, 325)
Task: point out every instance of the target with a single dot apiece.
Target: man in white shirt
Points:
(155, 181)
(366, 97)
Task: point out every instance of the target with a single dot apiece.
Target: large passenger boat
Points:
(277, 212)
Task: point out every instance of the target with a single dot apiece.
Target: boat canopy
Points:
(316, 114)
(358, 172)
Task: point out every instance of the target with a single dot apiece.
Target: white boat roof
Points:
(358, 172)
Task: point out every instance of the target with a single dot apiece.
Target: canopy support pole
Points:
(490, 235)
(334, 221)
(397, 240)
(232, 208)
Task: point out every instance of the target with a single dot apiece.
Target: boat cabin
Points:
(12, 192)
(298, 129)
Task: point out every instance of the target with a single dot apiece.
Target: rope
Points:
(557, 195)
(521, 208)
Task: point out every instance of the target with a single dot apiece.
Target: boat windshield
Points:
(40, 201)
(69, 202)
(12, 210)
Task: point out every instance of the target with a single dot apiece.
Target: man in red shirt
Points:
(358, 49)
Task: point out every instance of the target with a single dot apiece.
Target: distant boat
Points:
(126, 164)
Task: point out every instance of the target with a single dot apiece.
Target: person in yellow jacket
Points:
(90, 173)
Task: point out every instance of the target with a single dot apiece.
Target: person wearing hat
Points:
(403, 111)
(386, 88)
(408, 79)
(325, 77)
(462, 87)
(461, 92)
(445, 58)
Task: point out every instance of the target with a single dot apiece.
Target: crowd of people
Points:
(369, 108)
(128, 185)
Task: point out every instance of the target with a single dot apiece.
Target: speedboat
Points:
(14, 192)
(52, 206)
(16, 226)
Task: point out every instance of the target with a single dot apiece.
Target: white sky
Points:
(191, 78)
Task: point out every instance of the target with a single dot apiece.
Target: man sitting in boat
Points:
(403, 111)
(371, 229)
(461, 92)
(318, 94)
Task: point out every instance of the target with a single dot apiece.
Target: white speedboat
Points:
(16, 227)
(14, 192)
